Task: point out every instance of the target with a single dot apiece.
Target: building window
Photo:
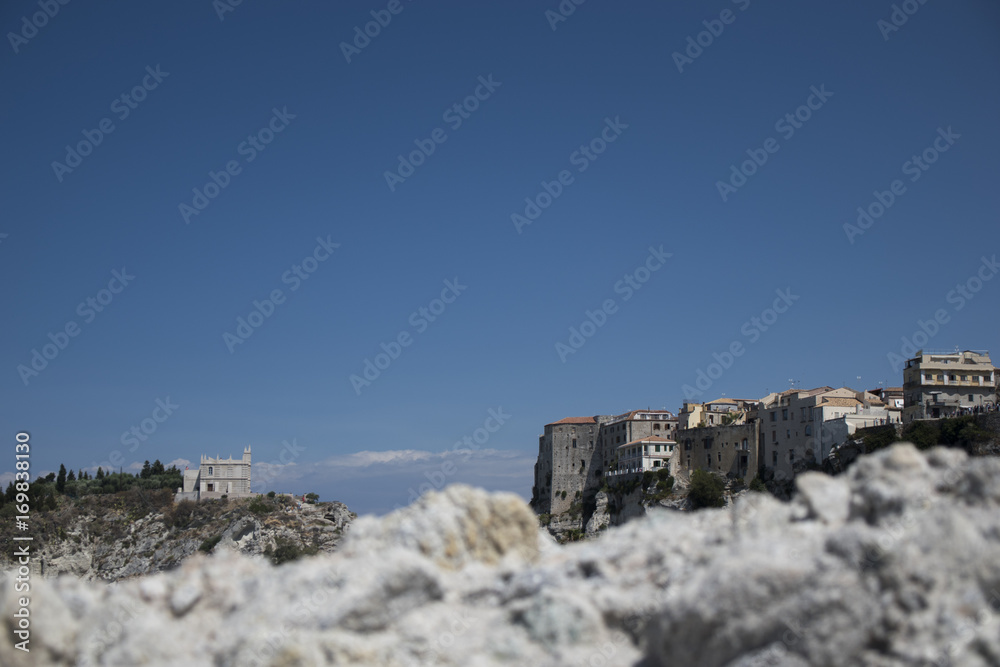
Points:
(788, 433)
(774, 436)
(210, 470)
(791, 457)
(574, 443)
(784, 414)
(720, 457)
(774, 458)
(656, 427)
(970, 398)
(774, 416)
(809, 429)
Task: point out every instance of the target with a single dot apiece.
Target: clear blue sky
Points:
(521, 287)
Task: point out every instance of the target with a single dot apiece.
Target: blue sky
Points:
(640, 143)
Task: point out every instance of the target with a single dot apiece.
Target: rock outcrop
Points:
(107, 538)
(895, 563)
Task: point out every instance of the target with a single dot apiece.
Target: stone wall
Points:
(720, 449)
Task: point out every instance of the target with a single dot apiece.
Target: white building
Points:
(217, 477)
(650, 453)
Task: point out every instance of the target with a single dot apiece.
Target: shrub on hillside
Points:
(706, 490)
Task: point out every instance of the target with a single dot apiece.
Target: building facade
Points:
(575, 452)
(217, 477)
(947, 384)
(645, 454)
(730, 450)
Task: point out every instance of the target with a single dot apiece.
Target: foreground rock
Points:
(895, 563)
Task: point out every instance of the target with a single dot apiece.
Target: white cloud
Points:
(377, 482)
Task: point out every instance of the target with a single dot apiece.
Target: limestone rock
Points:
(895, 563)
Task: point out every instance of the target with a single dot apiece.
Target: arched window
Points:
(210, 470)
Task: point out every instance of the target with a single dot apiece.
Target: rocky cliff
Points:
(126, 535)
(896, 562)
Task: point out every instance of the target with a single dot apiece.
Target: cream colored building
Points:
(939, 385)
(217, 477)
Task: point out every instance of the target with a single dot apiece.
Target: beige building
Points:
(217, 477)
(800, 427)
(714, 413)
(944, 385)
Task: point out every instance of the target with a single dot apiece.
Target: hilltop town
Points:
(764, 442)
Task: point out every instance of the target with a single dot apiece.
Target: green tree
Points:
(61, 479)
(706, 490)
(146, 470)
(71, 477)
(157, 468)
(312, 498)
(10, 494)
(100, 473)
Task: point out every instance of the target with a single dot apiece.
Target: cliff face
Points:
(896, 562)
(123, 536)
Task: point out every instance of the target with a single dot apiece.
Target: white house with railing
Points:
(644, 454)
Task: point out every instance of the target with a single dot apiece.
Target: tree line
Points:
(43, 490)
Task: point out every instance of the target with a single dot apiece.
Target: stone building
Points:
(730, 450)
(574, 453)
(217, 477)
(565, 466)
(939, 385)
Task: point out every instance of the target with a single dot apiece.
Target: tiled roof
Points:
(575, 420)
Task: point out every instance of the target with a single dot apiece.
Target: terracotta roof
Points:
(575, 420)
(841, 401)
